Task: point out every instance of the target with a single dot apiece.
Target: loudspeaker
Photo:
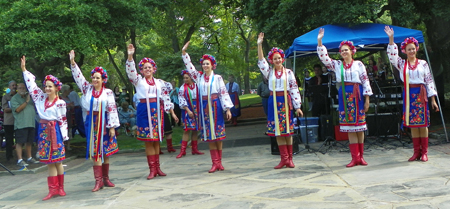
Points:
(274, 145)
(326, 127)
(383, 124)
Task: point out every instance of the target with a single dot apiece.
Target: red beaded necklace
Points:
(48, 105)
(95, 93)
(206, 78)
(348, 66)
(278, 73)
(191, 86)
(413, 67)
(151, 82)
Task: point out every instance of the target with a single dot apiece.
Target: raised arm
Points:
(78, 76)
(322, 52)
(320, 36)
(392, 51)
(30, 81)
(132, 74)
(195, 75)
(390, 32)
(262, 63)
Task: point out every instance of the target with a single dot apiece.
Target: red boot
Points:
(53, 187)
(417, 151)
(98, 178)
(106, 181)
(170, 146)
(424, 143)
(290, 162)
(361, 153)
(219, 162)
(214, 159)
(284, 157)
(158, 169)
(61, 185)
(354, 149)
(183, 149)
(151, 166)
(195, 148)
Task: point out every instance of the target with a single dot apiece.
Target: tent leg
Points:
(437, 95)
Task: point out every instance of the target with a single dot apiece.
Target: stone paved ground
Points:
(249, 180)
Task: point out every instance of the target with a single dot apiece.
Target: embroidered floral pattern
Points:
(419, 114)
(271, 128)
(45, 152)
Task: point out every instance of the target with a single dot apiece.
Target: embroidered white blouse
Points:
(143, 88)
(292, 87)
(181, 97)
(355, 74)
(57, 112)
(107, 95)
(420, 75)
(217, 87)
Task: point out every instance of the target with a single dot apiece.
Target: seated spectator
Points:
(127, 115)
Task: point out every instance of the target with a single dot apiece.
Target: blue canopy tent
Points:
(365, 37)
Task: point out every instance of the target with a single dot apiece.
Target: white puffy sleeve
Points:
(429, 83)
(62, 120)
(264, 68)
(79, 78)
(34, 90)
(293, 90)
(195, 75)
(181, 100)
(331, 64)
(367, 89)
(166, 88)
(223, 93)
(113, 116)
(132, 73)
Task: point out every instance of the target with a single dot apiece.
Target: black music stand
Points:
(298, 132)
(329, 92)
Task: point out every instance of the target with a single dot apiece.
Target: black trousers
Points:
(9, 137)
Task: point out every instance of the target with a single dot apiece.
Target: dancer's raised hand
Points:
(22, 63)
(320, 36)
(130, 51)
(390, 32)
(72, 57)
(183, 50)
(260, 38)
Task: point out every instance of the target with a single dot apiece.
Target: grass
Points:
(249, 99)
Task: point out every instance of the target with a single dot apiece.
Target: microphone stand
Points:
(307, 147)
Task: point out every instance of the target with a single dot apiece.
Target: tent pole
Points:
(437, 95)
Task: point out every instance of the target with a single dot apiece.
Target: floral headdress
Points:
(211, 58)
(184, 72)
(409, 40)
(273, 51)
(54, 80)
(349, 44)
(145, 60)
(102, 72)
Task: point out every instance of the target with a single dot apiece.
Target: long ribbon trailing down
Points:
(101, 132)
(211, 119)
(149, 116)
(286, 103)
(158, 104)
(275, 110)
(406, 87)
(188, 94)
(90, 147)
(344, 98)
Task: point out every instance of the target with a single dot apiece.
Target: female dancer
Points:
(353, 95)
(284, 96)
(52, 128)
(188, 97)
(101, 120)
(418, 86)
(153, 95)
(215, 100)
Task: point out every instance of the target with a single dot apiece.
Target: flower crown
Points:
(348, 43)
(54, 80)
(210, 58)
(273, 51)
(102, 72)
(145, 60)
(407, 41)
(184, 72)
